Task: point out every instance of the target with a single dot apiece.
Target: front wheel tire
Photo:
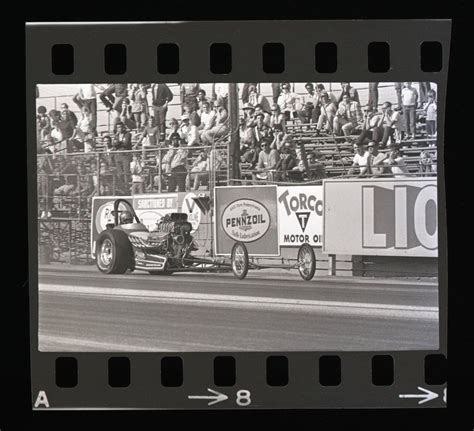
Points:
(113, 252)
(239, 260)
(306, 262)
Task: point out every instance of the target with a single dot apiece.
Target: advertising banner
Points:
(247, 214)
(381, 217)
(300, 215)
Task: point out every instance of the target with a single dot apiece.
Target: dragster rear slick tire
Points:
(239, 258)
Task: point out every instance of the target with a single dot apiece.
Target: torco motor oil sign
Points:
(249, 215)
(300, 211)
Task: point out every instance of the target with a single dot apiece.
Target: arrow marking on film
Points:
(216, 398)
(427, 396)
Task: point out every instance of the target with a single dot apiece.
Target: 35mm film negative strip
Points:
(237, 214)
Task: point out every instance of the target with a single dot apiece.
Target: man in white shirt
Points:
(387, 123)
(409, 102)
(286, 101)
(396, 163)
(208, 118)
(220, 94)
(86, 97)
(359, 163)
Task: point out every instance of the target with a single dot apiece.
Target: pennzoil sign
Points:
(245, 220)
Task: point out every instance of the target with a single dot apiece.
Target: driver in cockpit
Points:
(126, 217)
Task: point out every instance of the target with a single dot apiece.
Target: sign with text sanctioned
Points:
(381, 217)
(300, 215)
(246, 214)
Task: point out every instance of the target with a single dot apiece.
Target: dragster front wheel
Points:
(306, 262)
(240, 260)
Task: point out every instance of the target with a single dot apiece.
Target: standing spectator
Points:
(425, 88)
(375, 160)
(255, 99)
(122, 142)
(286, 101)
(86, 97)
(45, 192)
(161, 97)
(359, 162)
(261, 130)
(176, 165)
(200, 170)
(220, 95)
(396, 163)
(277, 117)
(136, 169)
(276, 91)
(174, 128)
(43, 124)
(208, 118)
(245, 91)
(85, 124)
(72, 115)
(347, 116)
(150, 135)
(267, 161)
(373, 95)
(189, 93)
(328, 112)
(140, 105)
(398, 89)
(220, 129)
(410, 102)
(113, 96)
(431, 109)
(349, 91)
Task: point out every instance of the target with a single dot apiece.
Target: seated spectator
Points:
(308, 110)
(286, 101)
(426, 164)
(208, 118)
(316, 169)
(126, 117)
(349, 91)
(286, 165)
(430, 108)
(67, 172)
(267, 161)
(174, 128)
(409, 104)
(320, 90)
(176, 160)
(395, 162)
(328, 111)
(277, 117)
(140, 105)
(188, 132)
(246, 135)
(220, 129)
(200, 170)
(375, 160)
(266, 115)
(43, 124)
(136, 169)
(386, 125)
(359, 162)
(249, 112)
(249, 154)
(260, 129)
(370, 122)
(85, 185)
(220, 96)
(107, 143)
(347, 117)
(255, 99)
(150, 135)
(279, 137)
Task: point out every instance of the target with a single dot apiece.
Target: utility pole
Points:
(234, 146)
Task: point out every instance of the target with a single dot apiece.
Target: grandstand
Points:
(70, 175)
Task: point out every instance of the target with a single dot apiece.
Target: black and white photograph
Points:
(237, 217)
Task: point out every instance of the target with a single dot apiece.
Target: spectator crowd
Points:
(144, 151)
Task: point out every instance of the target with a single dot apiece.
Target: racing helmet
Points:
(126, 217)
